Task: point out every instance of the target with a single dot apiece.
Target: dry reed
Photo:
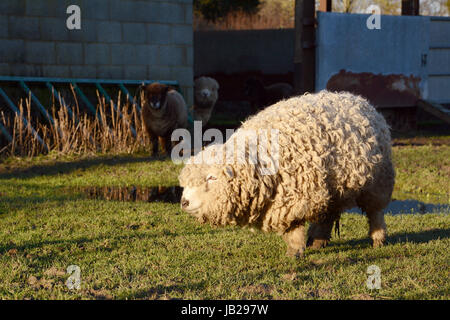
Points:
(109, 132)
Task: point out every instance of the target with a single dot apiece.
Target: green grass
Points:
(424, 171)
(104, 170)
(137, 250)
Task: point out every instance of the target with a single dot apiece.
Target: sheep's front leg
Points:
(377, 228)
(295, 239)
(319, 234)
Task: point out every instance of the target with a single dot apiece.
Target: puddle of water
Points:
(411, 206)
(153, 194)
(173, 195)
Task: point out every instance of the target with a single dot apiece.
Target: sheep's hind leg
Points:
(295, 239)
(319, 234)
(166, 142)
(154, 142)
(377, 228)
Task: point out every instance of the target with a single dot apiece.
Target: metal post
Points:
(85, 99)
(37, 102)
(127, 93)
(410, 7)
(5, 132)
(60, 99)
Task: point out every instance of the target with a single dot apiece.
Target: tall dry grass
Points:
(109, 132)
(273, 14)
(276, 14)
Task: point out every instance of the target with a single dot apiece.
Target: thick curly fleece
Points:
(335, 153)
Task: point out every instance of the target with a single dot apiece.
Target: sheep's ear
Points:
(229, 172)
(216, 84)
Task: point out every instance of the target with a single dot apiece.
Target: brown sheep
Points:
(163, 111)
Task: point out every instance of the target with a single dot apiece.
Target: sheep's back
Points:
(330, 146)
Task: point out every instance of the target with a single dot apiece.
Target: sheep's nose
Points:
(184, 203)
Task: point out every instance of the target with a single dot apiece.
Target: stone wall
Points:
(119, 39)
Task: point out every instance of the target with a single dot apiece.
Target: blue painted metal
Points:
(85, 99)
(63, 103)
(60, 99)
(121, 83)
(16, 110)
(127, 93)
(5, 132)
(439, 61)
(37, 102)
(109, 100)
(88, 103)
(91, 81)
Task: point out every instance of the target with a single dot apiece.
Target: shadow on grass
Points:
(69, 166)
(160, 290)
(84, 240)
(413, 237)
(308, 263)
(20, 202)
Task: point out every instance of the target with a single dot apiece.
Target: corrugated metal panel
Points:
(390, 60)
(440, 32)
(439, 60)
(439, 89)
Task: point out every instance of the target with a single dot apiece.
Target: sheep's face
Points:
(206, 91)
(204, 194)
(154, 96)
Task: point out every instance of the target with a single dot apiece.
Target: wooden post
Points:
(298, 47)
(325, 6)
(410, 7)
(304, 57)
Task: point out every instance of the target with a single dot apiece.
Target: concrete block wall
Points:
(119, 39)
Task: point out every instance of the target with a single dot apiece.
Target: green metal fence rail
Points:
(27, 124)
(23, 82)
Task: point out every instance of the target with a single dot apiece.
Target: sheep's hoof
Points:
(377, 243)
(316, 243)
(294, 253)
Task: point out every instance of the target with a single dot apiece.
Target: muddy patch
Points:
(133, 193)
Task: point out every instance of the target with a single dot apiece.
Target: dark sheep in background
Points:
(261, 96)
(163, 111)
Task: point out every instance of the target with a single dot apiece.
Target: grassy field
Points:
(139, 250)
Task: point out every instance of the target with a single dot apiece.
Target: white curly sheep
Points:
(206, 93)
(334, 154)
